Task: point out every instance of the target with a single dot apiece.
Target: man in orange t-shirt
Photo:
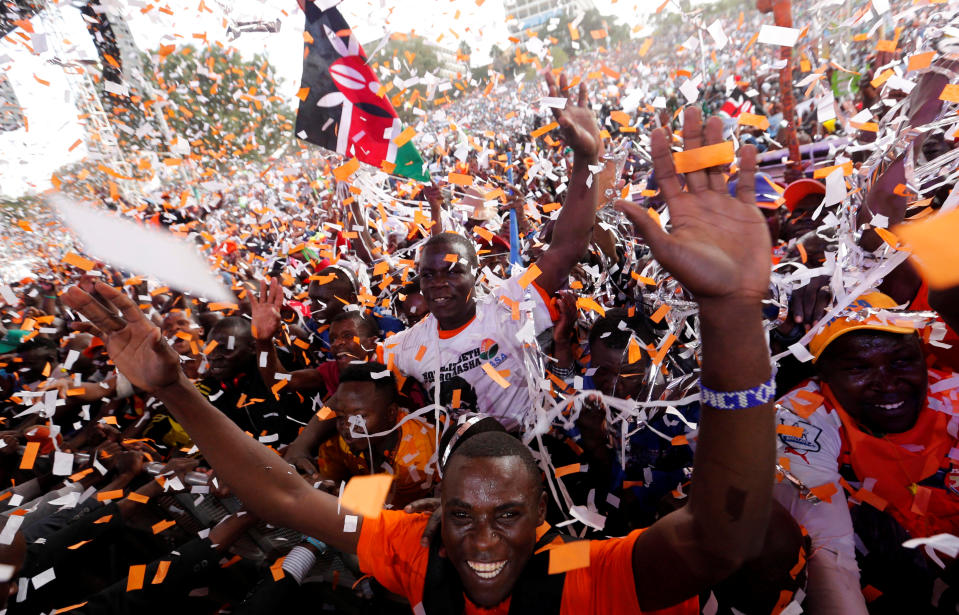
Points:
(495, 544)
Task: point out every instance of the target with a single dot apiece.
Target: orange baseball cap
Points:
(800, 189)
(844, 324)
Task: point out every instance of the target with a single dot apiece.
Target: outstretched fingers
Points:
(93, 310)
(746, 187)
(693, 139)
(713, 133)
(663, 168)
(655, 237)
(553, 91)
(131, 312)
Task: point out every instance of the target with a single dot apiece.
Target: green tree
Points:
(225, 107)
(592, 21)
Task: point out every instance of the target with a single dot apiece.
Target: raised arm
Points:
(719, 249)
(266, 324)
(267, 485)
(574, 226)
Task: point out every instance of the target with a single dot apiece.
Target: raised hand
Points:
(718, 246)
(576, 120)
(266, 310)
(133, 342)
(434, 195)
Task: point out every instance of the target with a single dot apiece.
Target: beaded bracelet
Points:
(739, 400)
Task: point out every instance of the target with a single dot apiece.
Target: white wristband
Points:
(298, 563)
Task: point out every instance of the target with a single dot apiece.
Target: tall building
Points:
(534, 13)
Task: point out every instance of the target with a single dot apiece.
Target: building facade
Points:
(534, 13)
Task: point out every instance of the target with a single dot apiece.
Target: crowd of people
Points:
(606, 372)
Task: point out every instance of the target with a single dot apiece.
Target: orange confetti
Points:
(645, 48)
(660, 313)
(542, 130)
(562, 471)
(495, 375)
(404, 137)
(162, 568)
(751, 119)
(919, 61)
(620, 117)
(365, 495)
(588, 303)
(569, 556)
(162, 525)
(935, 251)
(135, 577)
(30, 456)
(950, 93)
(105, 496)
(460, 179)
(344, 171)
(824, 492)
(529, 276)
(700, 158)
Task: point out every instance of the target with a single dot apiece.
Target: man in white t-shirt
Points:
(475, 345)
(465, 357)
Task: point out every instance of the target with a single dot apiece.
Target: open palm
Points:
(576, 121)
(134, 343)
(265, 310)
(718, 246)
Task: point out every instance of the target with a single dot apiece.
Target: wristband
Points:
(298, 563)
(739, 400)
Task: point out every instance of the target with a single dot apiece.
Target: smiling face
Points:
(491, 509)
(351, 340)
(878, 377)
(448, 287)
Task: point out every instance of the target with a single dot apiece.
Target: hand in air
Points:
(718, 246)
(576, 120)
(134, 343)
(266, 310)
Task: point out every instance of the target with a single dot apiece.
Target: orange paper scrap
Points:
(79, 262)
(542, 130)
(529, 276)
(495, 375)
(29, 455)
(342, 173)
(704, 157)
(135, 578)
(460, 179)
(919, 61)
(569, 556)
(935, 250)
(365, 495)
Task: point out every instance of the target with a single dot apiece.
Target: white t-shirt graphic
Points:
(492, 338)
